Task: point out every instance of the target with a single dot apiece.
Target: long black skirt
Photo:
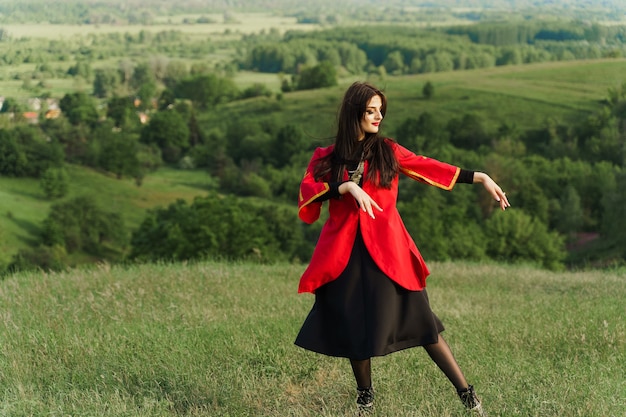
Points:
(363, 313)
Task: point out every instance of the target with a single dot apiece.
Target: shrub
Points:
(515, 236)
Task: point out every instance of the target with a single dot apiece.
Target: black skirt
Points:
(363, 313)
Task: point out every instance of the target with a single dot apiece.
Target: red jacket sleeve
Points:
(426, 170)
(308, 209)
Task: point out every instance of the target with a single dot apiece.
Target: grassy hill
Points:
(216, 339)
(23, 206)
(524, 95)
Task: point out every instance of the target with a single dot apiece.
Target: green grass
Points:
(527, 95)
(23, 206)
(215, 339)
(245, 79)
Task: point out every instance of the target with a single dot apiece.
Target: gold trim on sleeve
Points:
(324, 191)
(419, 177)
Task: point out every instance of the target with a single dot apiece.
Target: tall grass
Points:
(216, 339)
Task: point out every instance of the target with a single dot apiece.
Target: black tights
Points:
(439, 352)
(362, 372)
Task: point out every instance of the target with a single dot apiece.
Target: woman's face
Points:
(372, 116)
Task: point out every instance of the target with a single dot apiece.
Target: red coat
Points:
(385, 237)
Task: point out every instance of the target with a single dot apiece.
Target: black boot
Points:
(471, 402)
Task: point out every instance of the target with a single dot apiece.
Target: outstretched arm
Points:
(493, 189)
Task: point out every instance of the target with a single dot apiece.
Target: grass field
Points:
(243, 23)
(214, 339)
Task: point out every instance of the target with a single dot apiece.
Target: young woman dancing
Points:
(366, 272)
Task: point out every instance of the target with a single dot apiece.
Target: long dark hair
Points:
(383, 166)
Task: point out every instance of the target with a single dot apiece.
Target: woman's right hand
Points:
(365, 202)
(493, 189)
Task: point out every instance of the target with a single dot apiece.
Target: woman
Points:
(367, 275)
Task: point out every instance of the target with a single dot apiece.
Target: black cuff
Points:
(465, 177)
(333, 192)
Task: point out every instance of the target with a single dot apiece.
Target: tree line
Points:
(409, 50)
(535, 32)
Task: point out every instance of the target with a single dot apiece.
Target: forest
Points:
(128, 104)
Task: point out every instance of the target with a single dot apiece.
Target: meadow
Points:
(216, 339)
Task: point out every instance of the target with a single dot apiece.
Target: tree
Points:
(146, 95)
(428, 91)
(444, 61)
(319, 76)
(468, 132)
(571, 215)
(415, 66)
(166, 99)
(142, 74)
(79, 108)
(47, 258)
(614, 219)
(54, 182)
(149, 160)
(80, 225)
(289, 141)
(218, 227)
(125, 69)
(167, 129)
(430, 64)
(123, 113)
(143, 84)
(206, 90)
(105, 83)
(13, 160)
(81, 69)
(174, 72)
(509, 56)
(73, 139)
(10, 105)
(394, 63)
(409, 134)
(25, 151)
(116, 152)
(256, 90)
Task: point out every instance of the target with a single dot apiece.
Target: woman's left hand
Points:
(493, 189)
